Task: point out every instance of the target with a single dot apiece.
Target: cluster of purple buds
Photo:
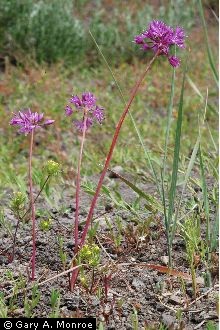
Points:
(160, 37)
(28, 121)
(86, 103)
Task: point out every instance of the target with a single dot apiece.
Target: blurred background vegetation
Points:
(50, 31)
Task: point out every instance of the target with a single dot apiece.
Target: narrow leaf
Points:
(209, 51)
(172, 192)
(152, 202)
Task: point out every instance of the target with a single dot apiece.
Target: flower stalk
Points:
(32, 205)
(28, 121)
(78, 179)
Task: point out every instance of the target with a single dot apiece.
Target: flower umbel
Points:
(28, 121)
(160, 37)
(86, 103)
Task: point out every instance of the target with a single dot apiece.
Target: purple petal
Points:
(158, 29)
(139, 39)
(15, 121)
(27, 120)
(68, 110)
(98, 114)
(89, 122)
(49, 122)
(76, 101)
(88, 100)
(160, 37)
(174, 61)
(79, 124)
(178, 37)
(145, 47)
(40, 116)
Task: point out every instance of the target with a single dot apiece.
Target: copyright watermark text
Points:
(81, 324)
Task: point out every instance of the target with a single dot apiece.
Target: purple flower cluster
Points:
(28, 121)
(159, 37)
(86, 103)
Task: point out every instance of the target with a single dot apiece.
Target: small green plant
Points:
(18, 284)
(89, 255)
(45, 224)
(17, 204)
(30, 304)
(5, 224)
(162, 327)
(52, 168)
(62, 253)
(210, 325)
(192, 236)
(115, 235)
(55, 303)
(93, 231)
(3, 307)
(134, 319)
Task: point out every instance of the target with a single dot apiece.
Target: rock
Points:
(70, 245)
(95, 302)
(164, 260)
(109, 207)
(117, 169)
(124, 216)
(18, 312)
(211, 315)
(72, 303)
(160, 307)
(168, 320)
(3, 260)
(189, 291)
(137, 283)
(175, 300)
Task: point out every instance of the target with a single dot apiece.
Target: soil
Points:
(132, 285)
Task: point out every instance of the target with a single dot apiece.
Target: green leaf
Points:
(152, 204)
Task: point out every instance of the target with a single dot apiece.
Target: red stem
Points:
(32, 207)
(76, 230)
(108, 159)
(109, 156)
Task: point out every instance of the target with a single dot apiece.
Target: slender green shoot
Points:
(172, 191)
(209, 51)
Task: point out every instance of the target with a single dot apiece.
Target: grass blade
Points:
(163, 170)
(197, 91)
(190, 166)
(153, 204)
(209, 51)
(172, 191)
(169, 118)
(205, 193)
